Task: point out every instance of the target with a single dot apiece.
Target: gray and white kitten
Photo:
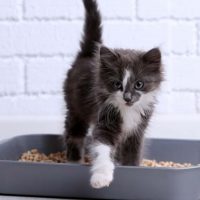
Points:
(110, 92)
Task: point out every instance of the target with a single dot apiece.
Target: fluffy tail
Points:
(92, 29)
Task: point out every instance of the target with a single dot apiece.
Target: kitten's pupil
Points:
(139, 85)
(118, 85)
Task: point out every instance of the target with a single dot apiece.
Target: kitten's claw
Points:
(100, 180)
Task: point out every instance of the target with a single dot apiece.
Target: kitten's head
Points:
(129, 75)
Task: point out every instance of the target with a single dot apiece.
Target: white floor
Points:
(28, 198)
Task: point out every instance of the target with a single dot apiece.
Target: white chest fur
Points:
(131, 118)
(132, 115)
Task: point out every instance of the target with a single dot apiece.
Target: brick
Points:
(183, 37)
(152, 9)
(184, 9)
(50, 9)
(137, 35)
(10, 9)
(73, 9)
(182, 103)
(185, 72)
(156, 9)
(51, 105)
(46, 75)
(117, 9)
(39, 38)
(12, 76)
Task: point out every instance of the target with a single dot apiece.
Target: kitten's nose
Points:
(127, 97)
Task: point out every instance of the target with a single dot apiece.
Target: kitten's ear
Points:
(107, 55)
(153, 56)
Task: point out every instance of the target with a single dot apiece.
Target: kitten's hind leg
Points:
(75, 132)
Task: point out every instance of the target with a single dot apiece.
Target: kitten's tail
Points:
(92, 29)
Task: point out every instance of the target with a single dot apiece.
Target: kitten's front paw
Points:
(100, 180)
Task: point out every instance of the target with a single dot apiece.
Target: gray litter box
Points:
(72, 180)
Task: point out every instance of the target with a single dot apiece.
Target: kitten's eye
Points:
(139, 85)
(118, 85)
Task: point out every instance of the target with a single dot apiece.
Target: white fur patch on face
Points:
(126, 77)
(131, 115)
(90, 130)
(102, 166)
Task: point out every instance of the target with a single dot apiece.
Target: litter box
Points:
(72, 180)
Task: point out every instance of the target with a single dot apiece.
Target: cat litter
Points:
(39, 174)
(59, 157)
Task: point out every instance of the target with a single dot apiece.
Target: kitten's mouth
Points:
(129, 103)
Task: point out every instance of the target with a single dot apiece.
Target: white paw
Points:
(100, 180)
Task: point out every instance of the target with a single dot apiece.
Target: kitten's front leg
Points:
(105, 138)
(130, 151)
(102, 165)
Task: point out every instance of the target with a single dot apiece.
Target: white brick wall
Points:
(10, 9)
(38, 39)
(51, 9)
(139, 35)
(152, 9)
(35, 105)
(184, 9)
(12, 76)
(45, 75)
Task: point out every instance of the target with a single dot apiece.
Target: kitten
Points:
(110, 92)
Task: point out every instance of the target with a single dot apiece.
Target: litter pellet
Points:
(35, 155)
(154, 163)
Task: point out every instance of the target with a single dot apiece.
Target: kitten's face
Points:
(129, 75)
